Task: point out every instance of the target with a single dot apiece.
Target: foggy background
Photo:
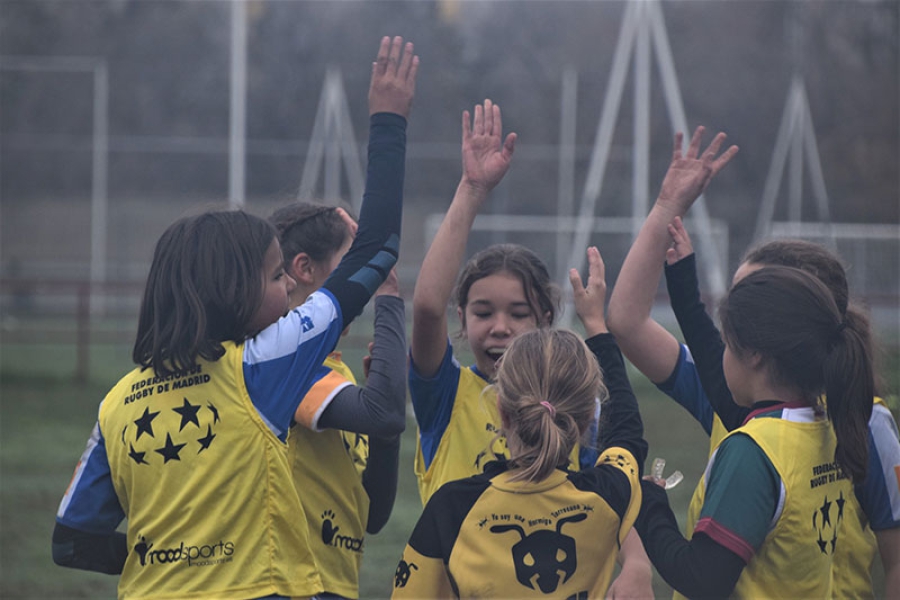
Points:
(167, 68)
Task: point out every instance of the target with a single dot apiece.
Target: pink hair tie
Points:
(550, 408)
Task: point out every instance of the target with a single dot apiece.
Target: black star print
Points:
(215, 412)
(124, 429)
(206, 441)
(170, 451)
(138, 457)
(826, 512)
(188, 414)
(840, 502)
(822, 544)
(145, 424)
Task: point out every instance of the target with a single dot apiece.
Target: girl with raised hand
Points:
(190, 447)
(775, 488)
(528, 527)
(691, 373)
(503, 291)
(873, 512)
(344, 453)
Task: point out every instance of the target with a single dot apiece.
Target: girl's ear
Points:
(461, 315)
(756, 361)
(301, 269)
(546, 321)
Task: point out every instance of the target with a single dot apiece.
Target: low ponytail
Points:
(849, 388)
(790, 318)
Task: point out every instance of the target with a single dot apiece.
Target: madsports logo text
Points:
(195, 556)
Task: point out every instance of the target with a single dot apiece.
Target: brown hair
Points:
(822, 263)
(316, 229)
(542, 294)
(790, 318)
(204, 287)
(548, 383)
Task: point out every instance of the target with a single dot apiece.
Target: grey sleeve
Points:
(380, 480)
(378, 407)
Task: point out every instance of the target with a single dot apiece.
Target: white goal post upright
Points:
(642, 25)
(96, 68)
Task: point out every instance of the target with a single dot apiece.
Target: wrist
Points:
(594, 327)
(635, 566)
(473, 188)
(667, 209)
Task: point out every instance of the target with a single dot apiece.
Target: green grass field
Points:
(45, 420)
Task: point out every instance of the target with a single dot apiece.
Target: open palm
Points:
(485, 160)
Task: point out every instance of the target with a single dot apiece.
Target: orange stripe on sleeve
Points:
(321, 392)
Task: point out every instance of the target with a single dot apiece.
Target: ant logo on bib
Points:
(544, 557)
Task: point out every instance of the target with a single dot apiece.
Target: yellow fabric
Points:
(418, 577)
(206, 486)
(853, 557)
(791, 562)
(469, 440)
(330, 487)
(467, 443)
(505, 544)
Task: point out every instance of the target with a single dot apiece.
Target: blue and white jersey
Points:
(280, 365)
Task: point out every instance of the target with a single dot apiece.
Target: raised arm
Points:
(622, 424)
(377, 242)
(648, 345)
(486, 157)
(700, 332)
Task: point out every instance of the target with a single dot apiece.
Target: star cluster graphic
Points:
(826, 520)
(147, 442)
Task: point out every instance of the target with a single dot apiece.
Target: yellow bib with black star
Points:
(853, 557)
(795, 559)
(206, 487)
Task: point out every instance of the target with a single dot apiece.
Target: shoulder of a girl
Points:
(739, 456)
(299, 327)
(449, 364)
